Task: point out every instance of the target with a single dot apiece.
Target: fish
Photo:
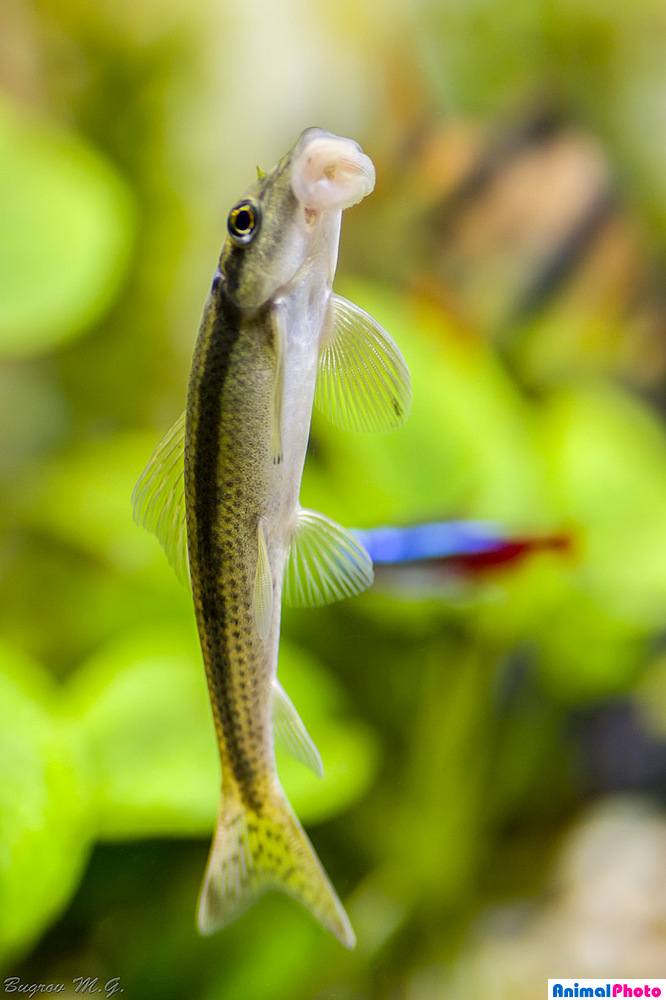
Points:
(471, 546)
(430, 541)
(421, 554)
(221, 492)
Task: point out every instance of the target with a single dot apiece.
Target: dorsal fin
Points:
(158, 498)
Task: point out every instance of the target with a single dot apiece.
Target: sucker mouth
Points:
(330, 173)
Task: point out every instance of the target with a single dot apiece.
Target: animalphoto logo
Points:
(606, 988)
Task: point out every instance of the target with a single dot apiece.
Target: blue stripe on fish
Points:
(437, 540)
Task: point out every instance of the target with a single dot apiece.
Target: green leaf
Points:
(45, 834)
(83, 497)
(146, 722)
(66, 219)
(607, 456)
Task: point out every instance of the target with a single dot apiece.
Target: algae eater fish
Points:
(274, 338)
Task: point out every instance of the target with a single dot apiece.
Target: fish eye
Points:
(243, 223)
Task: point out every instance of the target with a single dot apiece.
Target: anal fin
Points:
(291, 732)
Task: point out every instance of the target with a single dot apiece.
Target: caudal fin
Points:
(253, 852)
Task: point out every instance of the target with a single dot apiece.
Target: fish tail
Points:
(254, 851)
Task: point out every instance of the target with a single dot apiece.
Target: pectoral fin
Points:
(158, 498)
(325, 562)
(363, 382)
(291, 733)
(263, 587)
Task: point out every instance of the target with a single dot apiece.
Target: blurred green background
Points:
(492, 811)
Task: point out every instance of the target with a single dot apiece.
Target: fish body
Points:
(273, 337)
(423, 552)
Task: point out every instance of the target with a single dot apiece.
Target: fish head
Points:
(290, 218)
